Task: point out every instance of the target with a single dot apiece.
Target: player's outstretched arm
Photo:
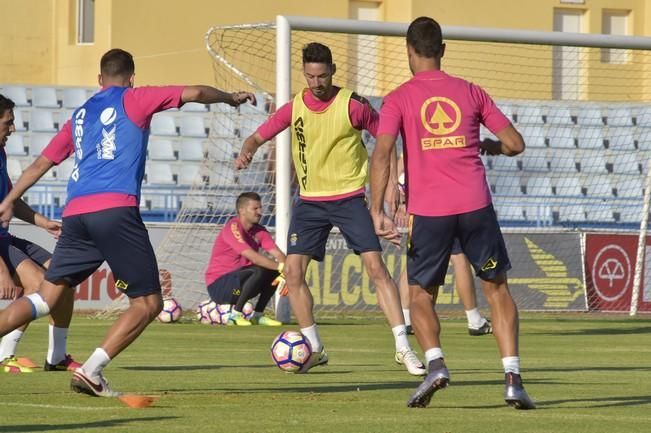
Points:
(249, 147)
(510, 143)
(211, 95)
(24, 212)
(30, 176)
(380, 171)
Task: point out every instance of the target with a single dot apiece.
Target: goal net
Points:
(571, 206)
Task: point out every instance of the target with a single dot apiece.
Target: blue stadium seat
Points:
(45, 97)
(590, 138)
(629, 187)
(625, 163)
(619, 116)
(644, 138)
(559, 115)
(163, 125)
(643, 117)
(161, 150)
(18, 94)
(15, 145)
(562, 137)
(539, 186)
(588, 115)
(601, 213)
(568, 186)
(530, 114)
(191, 149)
(621, 138)
(630, 214)
(600, 187)
(42, 121)
(593, 162)
(74, 97)
(507, 185)
(563, 161)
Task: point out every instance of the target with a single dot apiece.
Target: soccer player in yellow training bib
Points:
(331, 164)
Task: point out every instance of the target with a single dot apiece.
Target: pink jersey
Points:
(438, 116)
(230, 243)
(140, 105)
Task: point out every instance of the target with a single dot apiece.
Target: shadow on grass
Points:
(607, 401)
(599, 331)
(83, 426)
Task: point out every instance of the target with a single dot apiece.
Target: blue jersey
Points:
(110, 150)
(5, 185)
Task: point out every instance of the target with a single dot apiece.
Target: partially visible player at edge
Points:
(331, 163)
(439, 116)
(101, 220)
(22, 266)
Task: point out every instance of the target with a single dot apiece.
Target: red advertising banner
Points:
(609, 271)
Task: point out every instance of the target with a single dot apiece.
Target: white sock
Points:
(433, 353)
(511, 364)
(312, 334)
(400, 335)
(474, 318)
(9, 343)
(57, 345)
(96, 363)
(407, 316)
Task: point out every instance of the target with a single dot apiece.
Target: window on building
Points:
(616, 22)
(85, 21)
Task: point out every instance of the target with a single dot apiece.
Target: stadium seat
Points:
(571, 213)
(194, 107)
(159, 173)
(569, 187)
(19, 123)
(74, 97)
(193, 126)
(249, 124)
(189, 174)
(13, 168)
(42, 121)
(593, 162)
(629, 214)
(248, 108)
(255, 175)
(163, 124)
(38, 143)
(530, 115)
(644, 139)
(64, 170)
(161, 150)
(534, 160)
(222, 150)
(619, 116)
(507, 212)
(39, 195)
(562, 137)
(540, 214)
(534, 135)
(507, 185)
(18, 94)
(601, 213)
(600, 187)
(195, 201)
(223, 173)
(588, 115)
(563, 161)
(539, 186)
(559, 115)
(626, 163)
(621, 138)
(191, 149)
(504, 163)
(45, 97)
(223, 108)
(223, 125)
(630, 187)
(590, 138)
(643, 117)
(64, 116)
(15, 145)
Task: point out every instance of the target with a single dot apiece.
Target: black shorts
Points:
(312, 221)
(15, 250)
(431, 240)
(117, 236)
(225, 289)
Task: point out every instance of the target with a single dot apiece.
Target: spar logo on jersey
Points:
(300, 137)
(441, 117)
(106, 147)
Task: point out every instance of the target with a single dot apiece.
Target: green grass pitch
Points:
(586, 373)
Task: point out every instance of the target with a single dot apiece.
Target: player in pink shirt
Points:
(108, 135)
(237, 271)
(438, 117)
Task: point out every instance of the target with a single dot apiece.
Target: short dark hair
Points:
(117, 63)
(246, 197)
(5, 104)
(315, 52)
(425, 37)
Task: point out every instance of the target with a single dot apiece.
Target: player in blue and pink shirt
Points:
(108, 136)
(438, 117)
